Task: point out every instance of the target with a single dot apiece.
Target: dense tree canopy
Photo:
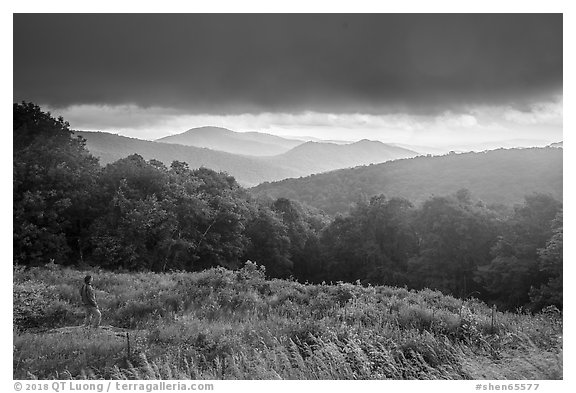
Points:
(372, 244)
(54, 187)
(550, 266)
(517, 263)
(455, 237)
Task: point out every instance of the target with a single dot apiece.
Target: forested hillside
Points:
(501, 176)
(139, 215)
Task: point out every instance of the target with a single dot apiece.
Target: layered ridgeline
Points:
(502, 176)
(304, 159)
(316, 157)
(557, 144)
(248, 171)
(244, 143)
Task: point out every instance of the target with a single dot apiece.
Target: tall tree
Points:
(303, 225)
(372, 244)
(455, 237)
(269, 242)
(550, 265)
(514, 268)
(54, 188)
(222, 224)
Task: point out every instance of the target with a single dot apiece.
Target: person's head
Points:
(88, 279)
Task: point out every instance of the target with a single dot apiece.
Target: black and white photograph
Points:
(287, 196)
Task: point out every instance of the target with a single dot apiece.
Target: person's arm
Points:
(91, 296)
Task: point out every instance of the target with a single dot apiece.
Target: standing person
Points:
(89, 299)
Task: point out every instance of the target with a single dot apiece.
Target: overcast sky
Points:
(423, 79)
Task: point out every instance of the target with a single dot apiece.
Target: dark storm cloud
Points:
(251, 63)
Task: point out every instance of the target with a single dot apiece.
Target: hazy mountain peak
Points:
(367, 141)
(223, 139)
(206, 129)
(314, 157)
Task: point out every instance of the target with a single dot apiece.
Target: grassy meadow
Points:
(223, 324)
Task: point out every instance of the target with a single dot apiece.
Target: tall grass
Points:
(222, 324)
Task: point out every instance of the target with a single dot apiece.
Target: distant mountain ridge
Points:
(516, 143)
(316, 157)
(248, 171)
(223, 139)
(502, 176)
(305, 159)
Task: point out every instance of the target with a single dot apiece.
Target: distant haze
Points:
(436, 80)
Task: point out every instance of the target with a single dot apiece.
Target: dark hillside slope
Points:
(498, 176)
